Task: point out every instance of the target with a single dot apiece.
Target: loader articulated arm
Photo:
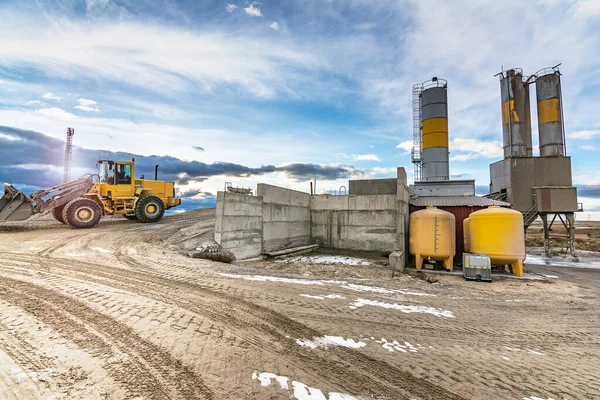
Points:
(16, 206)
(63, 193)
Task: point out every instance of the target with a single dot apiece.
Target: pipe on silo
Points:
(549, 108)
(516, 114)
(434, 131)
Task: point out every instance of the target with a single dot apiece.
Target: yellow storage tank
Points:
(433, 236)
(466, 240)
(498, 233)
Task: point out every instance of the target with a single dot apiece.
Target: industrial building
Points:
(536, 186)
(430, 218)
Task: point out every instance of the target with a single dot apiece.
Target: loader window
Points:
(123, 174)
(107, 173)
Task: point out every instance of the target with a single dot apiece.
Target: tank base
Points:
(418, 261)
(449, 264)
(517, 268)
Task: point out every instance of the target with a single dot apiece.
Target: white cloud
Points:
(407, 146)
(253, 11)
(210, 60)
(33, 102)
(87, 108)
(342, 155)
(230, 7)
(56, 112)
(383, 171)
(587, 147)
(365, 157)
(86, 102)
(587, 134)
(274, 26)
(51, 96)
(474, 148)
(87, 105)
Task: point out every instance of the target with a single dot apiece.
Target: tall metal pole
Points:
(68, 155)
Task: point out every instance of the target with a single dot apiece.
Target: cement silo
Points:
(516, 114)
(434, 130)
(549, 107)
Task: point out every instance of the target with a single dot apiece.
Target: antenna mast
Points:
(68, 154)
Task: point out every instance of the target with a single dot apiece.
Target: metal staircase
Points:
(529, 216)
(500, 196)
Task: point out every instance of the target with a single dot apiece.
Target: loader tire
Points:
(82, 213)
(129, 217)
(57, 213)
(149, 209)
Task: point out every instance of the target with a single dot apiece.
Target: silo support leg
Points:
(517, 268)
(449, 264)
(418, 261)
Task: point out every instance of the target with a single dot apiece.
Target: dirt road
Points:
(119, 312)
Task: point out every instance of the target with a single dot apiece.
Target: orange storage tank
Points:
(432, 236)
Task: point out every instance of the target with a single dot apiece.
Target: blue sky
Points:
(285, 89)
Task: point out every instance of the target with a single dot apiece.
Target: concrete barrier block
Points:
(380, 202)
(397, 261)
(329, 202)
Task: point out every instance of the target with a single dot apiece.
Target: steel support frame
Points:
(568, 221)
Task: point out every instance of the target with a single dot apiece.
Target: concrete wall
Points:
(355, 222)
(279, 218)
(362, 187)
(286, 218)
(239, 224)
(403, 207)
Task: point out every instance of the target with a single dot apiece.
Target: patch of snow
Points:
(506, 358)
(304, 392)
(313, 297)
(101, 250)
(363, 288)
(537, 398)
(329, 260)
(262, 278)
(301, 391)
(393, 346)
(335, 296)
(75, 254)
(550, 276)
(327, 341)
(404, 308)
(41, 375)
(266, 377)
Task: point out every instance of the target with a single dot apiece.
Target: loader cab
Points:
(116, 178)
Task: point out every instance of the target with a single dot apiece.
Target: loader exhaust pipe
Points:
(156, 172)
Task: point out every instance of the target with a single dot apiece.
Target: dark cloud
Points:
(44, 156)
(480, 190)
(588, 191)
(198, 148)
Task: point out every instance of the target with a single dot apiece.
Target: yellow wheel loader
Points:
(81, 203)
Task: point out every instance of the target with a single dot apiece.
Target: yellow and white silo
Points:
(466, 230)
(432, 236)
(498, 233)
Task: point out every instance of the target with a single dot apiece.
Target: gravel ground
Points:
(120, 312)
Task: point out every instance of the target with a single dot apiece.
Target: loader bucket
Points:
(14, 205)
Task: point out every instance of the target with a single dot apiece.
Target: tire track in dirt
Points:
(343, 369)
(148, 371)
